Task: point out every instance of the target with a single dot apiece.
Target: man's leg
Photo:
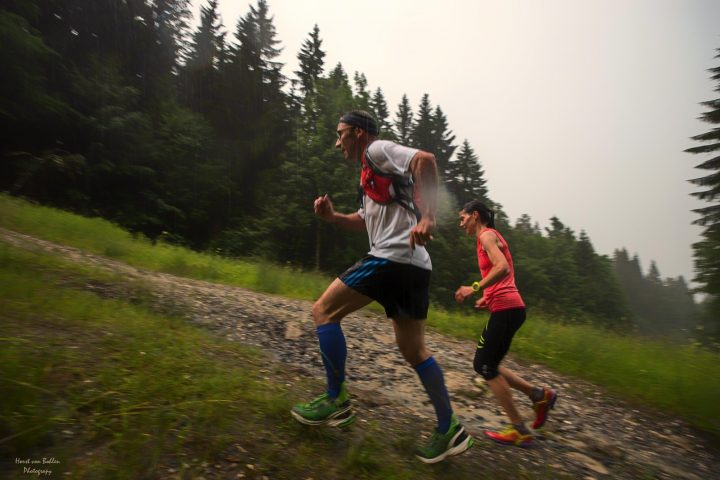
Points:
(450, 438)
(334, 304)
(333, 407)
(410, 337)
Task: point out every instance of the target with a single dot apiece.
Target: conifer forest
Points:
(193, 133)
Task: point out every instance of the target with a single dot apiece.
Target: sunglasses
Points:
(340, 132)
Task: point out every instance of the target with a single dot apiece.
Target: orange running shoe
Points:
(543, 407)
(510, 436)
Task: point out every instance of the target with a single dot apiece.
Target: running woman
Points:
(395, 273)
(507, 314)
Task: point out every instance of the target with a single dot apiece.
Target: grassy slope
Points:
(667, 376)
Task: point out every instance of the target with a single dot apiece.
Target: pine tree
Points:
(256, 125)
(206, 41)
(255, 62)
(423, 129)
(311, 57)
(707, 251)
(653, 275)
(339, 78)
(362, 96)
(525, 224)
(404, 121)
(443, 147)
(465, 177)
(266, 33)
(379, 107)
(172, 19)
(200, 78)
(560, 267)
(243, 79)
(268, 48)
(638, 294)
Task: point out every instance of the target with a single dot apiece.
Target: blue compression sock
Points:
(334, 351)
(432, 379)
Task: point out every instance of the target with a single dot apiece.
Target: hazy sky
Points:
(579, 109)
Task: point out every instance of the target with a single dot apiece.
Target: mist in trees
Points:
(195, 136)
(662, 307)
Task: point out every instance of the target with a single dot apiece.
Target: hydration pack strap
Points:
(400, 185)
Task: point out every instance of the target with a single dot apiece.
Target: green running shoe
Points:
(325, 411)
(443, 445)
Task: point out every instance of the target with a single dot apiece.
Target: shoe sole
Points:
(465, 443)
(341, 418)
(551, 405)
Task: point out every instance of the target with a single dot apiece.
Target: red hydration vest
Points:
(385, 188)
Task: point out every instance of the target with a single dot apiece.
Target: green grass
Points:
(678, 379)
(103, 238)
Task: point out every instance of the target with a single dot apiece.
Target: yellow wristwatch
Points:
(476, 286)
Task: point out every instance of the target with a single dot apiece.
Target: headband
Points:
(366, 122)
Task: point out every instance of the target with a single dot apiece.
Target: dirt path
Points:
(589, 434)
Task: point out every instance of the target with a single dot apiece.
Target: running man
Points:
(507, 314)
(395, 273)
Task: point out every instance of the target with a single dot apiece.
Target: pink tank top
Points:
(503, 295)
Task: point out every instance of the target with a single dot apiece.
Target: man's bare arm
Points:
(349, 221)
